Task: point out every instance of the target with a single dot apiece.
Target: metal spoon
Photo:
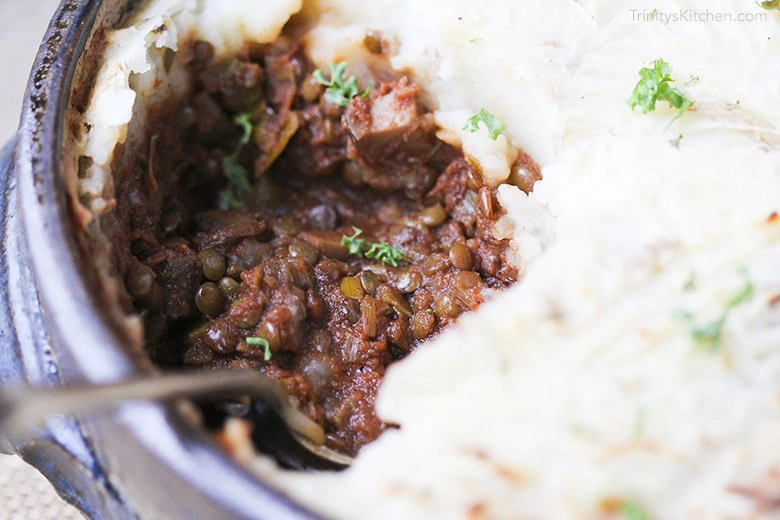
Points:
(22, 409)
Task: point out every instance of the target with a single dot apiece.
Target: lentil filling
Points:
(273, 228)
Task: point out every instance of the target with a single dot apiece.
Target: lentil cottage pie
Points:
(323, 190)
(295, 275)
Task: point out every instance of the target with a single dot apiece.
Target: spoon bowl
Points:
(24, 409)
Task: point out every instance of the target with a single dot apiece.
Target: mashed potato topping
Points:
(636, 366)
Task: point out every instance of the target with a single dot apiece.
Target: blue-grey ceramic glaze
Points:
(144, 461)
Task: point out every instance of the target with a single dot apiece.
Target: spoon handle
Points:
(25, 408)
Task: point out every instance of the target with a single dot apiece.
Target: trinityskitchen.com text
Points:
(693, 15)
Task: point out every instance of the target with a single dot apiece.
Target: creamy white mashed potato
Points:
(582, 390)
(135, 67)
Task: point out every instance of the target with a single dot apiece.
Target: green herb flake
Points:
(676, 142)
(744, 296)
(655, 85)
(710, 335)
(340, 91)
(385, 253)
(684, 315)
(228, 200)
(771, 4)
(236, 174)
(691, 81)
(493, 125)
(633, 511)
(261, 342)
(355, 245)
(247, 127)
(690, 284)
(640, 423)
(368, 90)
(429, 311)
(381, 251)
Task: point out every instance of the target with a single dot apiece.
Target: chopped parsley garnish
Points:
(261, 342)
(624, 509)
(654, 86)
(236, 174)
(633, 511)
(340, 91)
(245, 122)
(385, 253)
(381, 251)
(711, 334)
(692, 81)
(491, 122)
(640, 421)
(690, 284)
(356, 245)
